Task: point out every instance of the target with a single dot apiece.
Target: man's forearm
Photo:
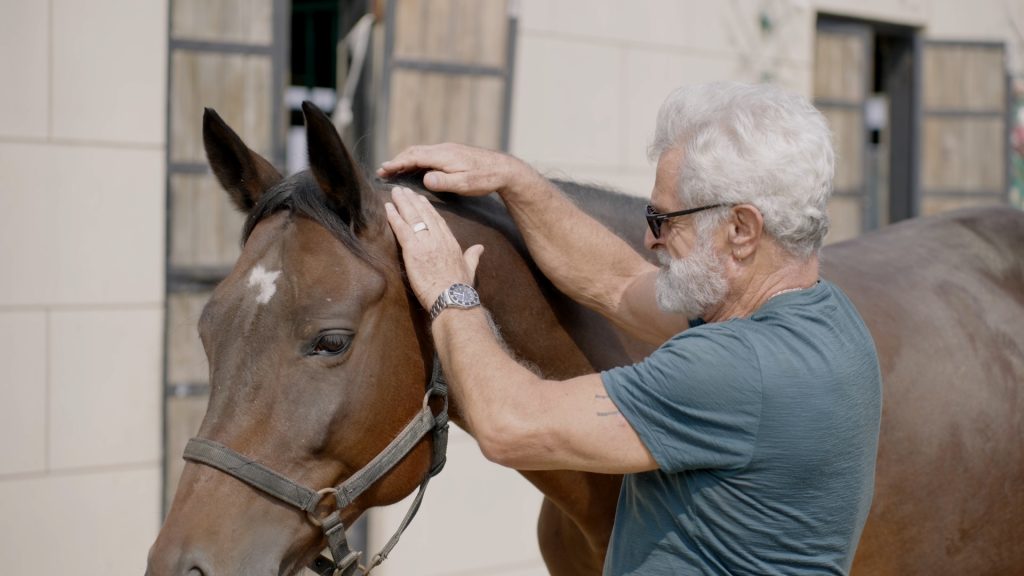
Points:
(580, 255)
(491, 389)
(523, 421)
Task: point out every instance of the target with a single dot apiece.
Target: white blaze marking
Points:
(266, 282)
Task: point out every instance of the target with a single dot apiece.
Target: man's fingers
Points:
(410, 210)
(398, 224)
(449, 168)
(397, 165)
(441, 182)
(427, 213)
(405, 160)
(406, 208)
(437, 220)
(436, 156)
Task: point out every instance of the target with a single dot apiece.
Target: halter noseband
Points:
(345, 562)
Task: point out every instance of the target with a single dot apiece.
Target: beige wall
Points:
(477, 518)
(598, 70)
(81, 283)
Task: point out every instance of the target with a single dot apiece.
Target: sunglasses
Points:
(655, 218)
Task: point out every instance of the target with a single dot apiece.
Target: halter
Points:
(344, 561)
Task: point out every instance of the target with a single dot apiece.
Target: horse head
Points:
(318, 359)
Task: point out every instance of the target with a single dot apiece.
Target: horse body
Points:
(944, 299)
(945, 309)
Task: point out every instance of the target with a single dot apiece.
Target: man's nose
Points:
(650, 242)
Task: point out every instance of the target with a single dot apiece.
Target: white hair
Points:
(693, 284)
(752, 144)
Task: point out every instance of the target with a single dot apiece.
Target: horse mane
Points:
(488, 210)
(300, 194)
(621, 213)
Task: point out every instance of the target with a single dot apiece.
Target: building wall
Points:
(614, 62)
(82, 112)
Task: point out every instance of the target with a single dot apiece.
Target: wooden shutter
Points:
(447, 73)
(842, 66)
(965, 127)
(228, 55)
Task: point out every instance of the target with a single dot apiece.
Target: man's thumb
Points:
(472, 258)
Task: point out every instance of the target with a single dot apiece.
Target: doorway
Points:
(865, 83)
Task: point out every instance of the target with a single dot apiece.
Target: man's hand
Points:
(433, 259)
(462, 169)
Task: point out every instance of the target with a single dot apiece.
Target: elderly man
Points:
(748, 439)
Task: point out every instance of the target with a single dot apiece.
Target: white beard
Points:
(693, 285)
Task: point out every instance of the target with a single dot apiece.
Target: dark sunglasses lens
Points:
(653, 222)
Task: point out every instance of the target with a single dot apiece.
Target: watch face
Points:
(463, 296)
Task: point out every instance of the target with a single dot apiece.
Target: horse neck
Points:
(548, 331)
(542, 327)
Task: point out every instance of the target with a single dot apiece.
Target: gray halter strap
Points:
(345, 561)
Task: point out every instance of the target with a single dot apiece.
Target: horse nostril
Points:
(196, 572)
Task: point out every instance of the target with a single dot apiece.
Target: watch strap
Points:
(439, 304)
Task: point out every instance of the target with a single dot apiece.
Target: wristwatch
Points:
(457, 295)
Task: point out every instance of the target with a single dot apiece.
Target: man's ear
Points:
(745, 230)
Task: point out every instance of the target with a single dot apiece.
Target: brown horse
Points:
(319, 356)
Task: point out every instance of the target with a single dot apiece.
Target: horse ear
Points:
(335, 171)
(243, 173)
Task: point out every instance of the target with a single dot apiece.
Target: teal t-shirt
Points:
(765, 431)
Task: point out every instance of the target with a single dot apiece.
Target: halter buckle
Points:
(348, 565)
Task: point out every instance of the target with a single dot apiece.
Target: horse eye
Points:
(331, 344)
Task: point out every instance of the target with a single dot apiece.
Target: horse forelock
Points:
(300, 194)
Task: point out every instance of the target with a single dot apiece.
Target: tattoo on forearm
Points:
(602, 413)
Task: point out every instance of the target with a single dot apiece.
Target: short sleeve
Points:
(695, 402)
